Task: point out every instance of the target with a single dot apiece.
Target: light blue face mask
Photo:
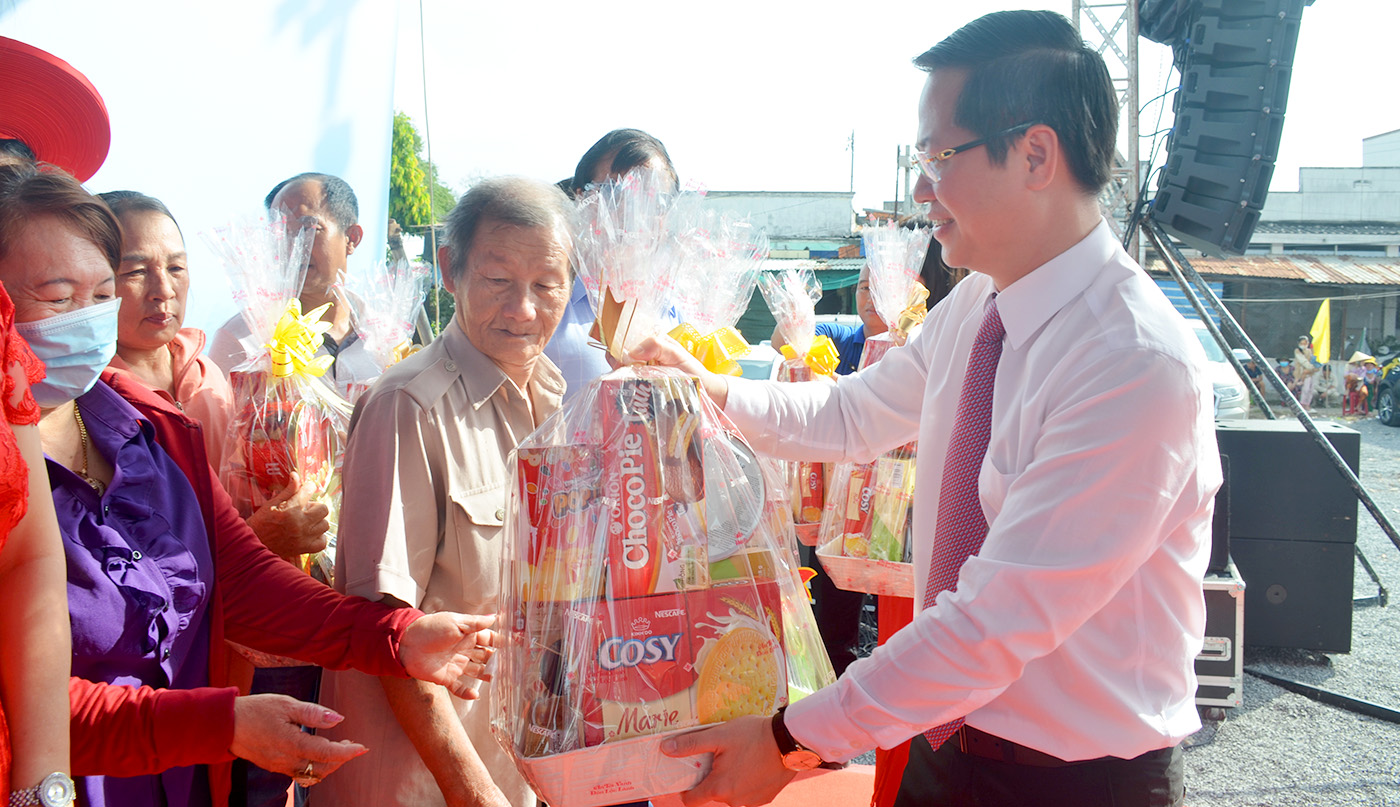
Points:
(75, 348)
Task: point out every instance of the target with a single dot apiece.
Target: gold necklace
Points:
(93, 482)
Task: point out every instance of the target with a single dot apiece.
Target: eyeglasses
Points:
(932, 164)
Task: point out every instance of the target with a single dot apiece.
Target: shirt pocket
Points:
(992, 486)
(475, 546)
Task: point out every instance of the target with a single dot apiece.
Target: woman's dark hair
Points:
(125, 202)
(18, 149)
(1032, 67)
(623, 149)
(28, 192)
(938, 277)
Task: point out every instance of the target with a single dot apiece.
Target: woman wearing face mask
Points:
(160, 569)
(34, 644)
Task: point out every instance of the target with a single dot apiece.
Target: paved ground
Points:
(1281, 749)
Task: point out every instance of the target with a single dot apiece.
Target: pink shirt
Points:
(201, 391)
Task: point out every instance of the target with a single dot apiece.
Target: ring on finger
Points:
(306, 777)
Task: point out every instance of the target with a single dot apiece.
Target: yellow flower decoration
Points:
(295, 339)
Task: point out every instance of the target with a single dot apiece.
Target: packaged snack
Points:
(652, 588)
(287, 423)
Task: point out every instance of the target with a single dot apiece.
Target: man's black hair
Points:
(336, 197)
(628, 148)
(1033, 67)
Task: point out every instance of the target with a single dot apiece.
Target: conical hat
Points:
(1358, 356)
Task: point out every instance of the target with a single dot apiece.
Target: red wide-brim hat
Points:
(53, 108)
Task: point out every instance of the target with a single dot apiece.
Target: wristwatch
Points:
(796, 757)
(55, 791)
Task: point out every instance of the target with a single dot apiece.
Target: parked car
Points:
(762, 361)
(1387, 396)
(1231, 397)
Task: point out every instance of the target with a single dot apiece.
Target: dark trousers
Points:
(950, 778)
(253, 786)
(837, 612)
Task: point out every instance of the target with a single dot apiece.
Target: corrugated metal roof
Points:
(816, 265)
(1326, 228)
(1336, 270)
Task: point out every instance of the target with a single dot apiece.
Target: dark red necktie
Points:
(961, 526)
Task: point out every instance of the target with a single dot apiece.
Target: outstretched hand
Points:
(667, 352)
(747, 770)
(449, 649)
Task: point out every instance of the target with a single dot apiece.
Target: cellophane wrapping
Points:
(651, 586)
(792, 295)
(895, 255)
(384, 302)
(627, 254)
(721, 258)
(286, 421)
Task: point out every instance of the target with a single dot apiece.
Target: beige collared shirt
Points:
(425, 480)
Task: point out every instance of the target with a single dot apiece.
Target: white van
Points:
(1231, 397)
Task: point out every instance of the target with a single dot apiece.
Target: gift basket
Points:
(288, 427)
(792, 295)
(651, 584)
(384, 303)
(864, 544)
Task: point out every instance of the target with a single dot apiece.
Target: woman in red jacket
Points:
(160, 567)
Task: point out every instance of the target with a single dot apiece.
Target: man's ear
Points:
(444, 263)
(353, 234)
(1040, 148)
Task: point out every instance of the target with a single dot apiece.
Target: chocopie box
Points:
(653, 486)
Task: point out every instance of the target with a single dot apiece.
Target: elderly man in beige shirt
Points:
(425, 480)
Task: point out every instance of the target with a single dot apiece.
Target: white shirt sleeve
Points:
(859, 418)
(1113, 488)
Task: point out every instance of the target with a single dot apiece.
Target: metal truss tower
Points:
(1112, 29)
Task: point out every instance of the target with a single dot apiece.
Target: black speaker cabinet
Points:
(1282, 486)
(1236, 62)
(1292, 531)
(1297, 593)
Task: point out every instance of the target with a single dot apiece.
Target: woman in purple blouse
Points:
(159, 566)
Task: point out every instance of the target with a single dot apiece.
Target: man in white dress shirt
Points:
(1068, 640)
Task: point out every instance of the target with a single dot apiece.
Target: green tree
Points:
(408, 181)
(412, 179)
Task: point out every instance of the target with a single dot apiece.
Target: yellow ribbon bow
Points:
(913, 313)
(716, 350)
(402, 351)
(295, 339)
(822, 356)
